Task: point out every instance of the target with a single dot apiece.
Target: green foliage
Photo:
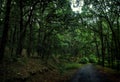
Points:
(63, 67)
(92, 59)
(84, 60)
(59, 30)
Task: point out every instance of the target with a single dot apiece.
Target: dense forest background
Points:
(46, 29)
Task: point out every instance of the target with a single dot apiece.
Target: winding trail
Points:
(89, 73)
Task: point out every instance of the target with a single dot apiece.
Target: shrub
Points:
(92, 59)
(84, 60)
(69, 66)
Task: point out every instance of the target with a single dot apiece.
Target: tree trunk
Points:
(97, 50)
(115, 36)
(29, 50)
(19, 46)
(108, 51)
(13, 41)
(102, 43)
(5, 29)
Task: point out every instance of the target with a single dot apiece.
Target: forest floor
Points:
(35, 70)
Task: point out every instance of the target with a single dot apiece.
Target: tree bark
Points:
(102, 43)
(19, 46)
(5, 29)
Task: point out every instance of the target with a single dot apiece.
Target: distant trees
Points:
(107, 28)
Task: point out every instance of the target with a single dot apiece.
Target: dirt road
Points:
(89, 73)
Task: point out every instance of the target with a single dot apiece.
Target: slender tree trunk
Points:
(103, 50)
(1, 2)
(112, 53)
(29, 50)
(19, 46)
(118, 40)
(13, 41)
(102, 43)
(118, 28)
(97, 49)
(5, 29)
(108, 51)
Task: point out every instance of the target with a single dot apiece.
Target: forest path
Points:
(89, 73)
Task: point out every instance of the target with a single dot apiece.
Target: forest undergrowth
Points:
(36, 70)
